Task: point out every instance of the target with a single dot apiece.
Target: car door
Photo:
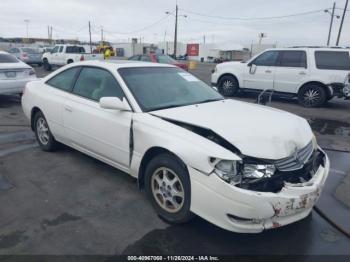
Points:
(262, 77)
(100, 132)
(291, 70)
(53, 55)
(53, 100)
(60, 57)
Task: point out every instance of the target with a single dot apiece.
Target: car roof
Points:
(116, 64)
(312, 48)
(3, 52)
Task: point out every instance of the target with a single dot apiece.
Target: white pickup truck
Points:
(65, 54)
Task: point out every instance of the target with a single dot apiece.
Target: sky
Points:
(221, 22)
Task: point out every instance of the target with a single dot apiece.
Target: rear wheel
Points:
(228, 85)
(312, 95)
(43, 134)
(47, 66)
(168, 187)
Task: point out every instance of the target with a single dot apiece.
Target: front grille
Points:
(276, 182)
(297, 160)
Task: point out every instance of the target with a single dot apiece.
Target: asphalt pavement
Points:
(68, 203)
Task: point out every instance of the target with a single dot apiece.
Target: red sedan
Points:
(163, 59)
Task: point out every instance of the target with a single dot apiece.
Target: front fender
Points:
(150, 131)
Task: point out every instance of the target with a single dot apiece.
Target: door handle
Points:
(268, 71)
(68, 109)
(302, 73)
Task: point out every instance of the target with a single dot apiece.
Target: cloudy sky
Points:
(223, 22)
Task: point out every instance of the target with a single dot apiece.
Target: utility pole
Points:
(48, 33)
(101, 35)
(51, 34)
(175, 36)
(90, 37)
(330, 27)
(204, 39)
(27, 22)
(342, 21)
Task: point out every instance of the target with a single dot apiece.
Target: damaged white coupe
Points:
(241, 166)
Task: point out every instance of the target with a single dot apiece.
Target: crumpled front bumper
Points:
(246, 211)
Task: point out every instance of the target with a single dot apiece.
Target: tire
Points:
(47, 66)
(228, 85)
(312, 95)
(44, 137)
(40, 64)
(69, 61)
(168, 187)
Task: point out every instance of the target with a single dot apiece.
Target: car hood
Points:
(257, 131)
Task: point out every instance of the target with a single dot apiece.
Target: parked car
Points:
(169, 130)
(28, 55)
(65, 54)
(163, 59)
(304, 73)
(14, 74)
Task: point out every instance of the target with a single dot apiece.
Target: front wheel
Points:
(312, 95)
(168, 187)
(228, 85)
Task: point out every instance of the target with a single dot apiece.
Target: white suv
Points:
(307, 73)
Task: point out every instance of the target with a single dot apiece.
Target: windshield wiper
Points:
(210, 100)
(167, 107)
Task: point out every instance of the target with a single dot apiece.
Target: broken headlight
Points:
(227, 170)
(257, 171)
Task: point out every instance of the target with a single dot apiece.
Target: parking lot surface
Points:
(68, 203)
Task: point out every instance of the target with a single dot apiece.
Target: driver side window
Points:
(269, 58)
(55, 50)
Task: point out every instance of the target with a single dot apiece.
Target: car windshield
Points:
(5, 58)
(157, 88)
(31, 50)
(164, 59)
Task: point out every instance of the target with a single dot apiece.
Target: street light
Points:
(175, 35)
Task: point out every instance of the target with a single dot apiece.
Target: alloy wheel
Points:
(167, 189)
(311, 97)
(42, 130)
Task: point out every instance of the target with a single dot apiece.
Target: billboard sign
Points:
(193, 49)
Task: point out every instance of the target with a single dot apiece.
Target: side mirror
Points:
(252, 69)
(114, 103)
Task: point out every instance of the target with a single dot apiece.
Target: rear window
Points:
(31, 50)
(75, 49)
(164, 59)
(332, 60)
(5, 58)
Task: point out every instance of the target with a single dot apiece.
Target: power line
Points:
(140, 29)
(255, 18)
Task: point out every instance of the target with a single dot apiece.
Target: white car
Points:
(305, 73)
(169, 130)
(62, 55)
(14, 74)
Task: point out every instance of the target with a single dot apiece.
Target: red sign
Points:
(193, 49)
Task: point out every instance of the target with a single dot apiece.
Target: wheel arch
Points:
(147, 157)
(70, 60)
(33, 112)
(329, 92)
